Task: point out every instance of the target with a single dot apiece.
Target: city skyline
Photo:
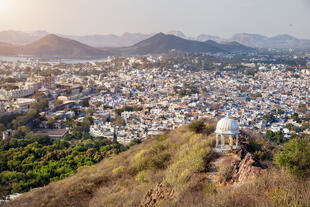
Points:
(193, 18)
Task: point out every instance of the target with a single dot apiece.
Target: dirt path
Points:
(213, 171)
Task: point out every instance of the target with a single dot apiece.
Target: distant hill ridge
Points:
(52, 45)
(129, 39)
(163, 43)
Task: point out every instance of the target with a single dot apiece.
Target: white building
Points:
(227, 127)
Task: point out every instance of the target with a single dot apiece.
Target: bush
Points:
(262, 148)
(160, 161)
(197, 126)
(295, 157)
(118, 171)
(140, 162)
(210, 128)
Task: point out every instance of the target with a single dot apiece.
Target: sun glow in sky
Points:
(222, 17)
(2, 5)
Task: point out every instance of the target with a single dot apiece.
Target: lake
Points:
(66, 61)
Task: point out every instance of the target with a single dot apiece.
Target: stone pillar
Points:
(230, 141)
(223, 140)
(237, 140)
(217, 141)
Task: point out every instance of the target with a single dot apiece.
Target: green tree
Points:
(295, 157)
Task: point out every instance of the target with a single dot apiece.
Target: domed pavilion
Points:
(227, 127)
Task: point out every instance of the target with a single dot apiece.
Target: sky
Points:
(193, 17)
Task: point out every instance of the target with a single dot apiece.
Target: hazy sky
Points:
(193, 17)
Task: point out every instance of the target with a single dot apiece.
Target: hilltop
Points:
(178, 168)
(164, 43)
(53, 45)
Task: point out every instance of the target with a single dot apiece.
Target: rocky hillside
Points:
(178, 168)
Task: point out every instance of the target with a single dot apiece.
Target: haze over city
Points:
(224, 18)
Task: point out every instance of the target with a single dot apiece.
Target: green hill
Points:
(178, 168)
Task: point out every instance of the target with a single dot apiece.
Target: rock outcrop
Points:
(160, 193)
(246, 167)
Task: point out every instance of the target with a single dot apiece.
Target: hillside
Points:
(178, 168)
(55, 46)
(162, 43)
(7, 49)
(279, 41)
(233, 47)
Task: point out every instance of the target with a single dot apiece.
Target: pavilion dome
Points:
(227, 125)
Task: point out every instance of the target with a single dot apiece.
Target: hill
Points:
(164, 43)
(279, 41)
(129, 39)
(55, 46)
(232, 47)
(7, 49)
(20, 38)
(178, 168)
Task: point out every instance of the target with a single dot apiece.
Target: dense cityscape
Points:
(138, 97)
(154, 103)
(59, 116)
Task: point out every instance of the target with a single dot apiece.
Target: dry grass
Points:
(179, 158)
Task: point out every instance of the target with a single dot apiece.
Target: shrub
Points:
(196, 155)
(156, 157)
(160, 161)
(118, 171)
(295, 157)
(157, 148)
(261, 148)
(140, 162)
(177, 176)
(197, 126)
(210, 128)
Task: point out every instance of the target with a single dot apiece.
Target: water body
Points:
(66, 61)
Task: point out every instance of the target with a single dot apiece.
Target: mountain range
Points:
(53, 45)
(129, 39)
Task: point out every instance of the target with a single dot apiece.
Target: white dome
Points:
(227, 126)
